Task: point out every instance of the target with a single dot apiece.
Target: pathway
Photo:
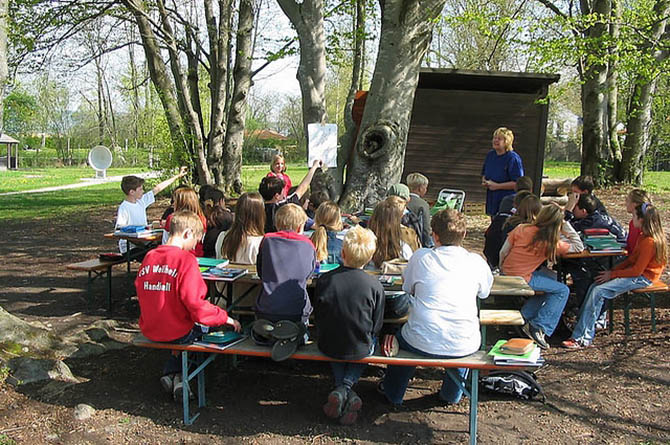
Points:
(86, 182)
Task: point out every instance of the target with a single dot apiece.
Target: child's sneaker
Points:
(601, 323)
(351, 409)
(335, 403)
(167, 382)
(572, 343)
(178, 389)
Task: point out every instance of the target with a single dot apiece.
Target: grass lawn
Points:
(14, 181)
(78, 201)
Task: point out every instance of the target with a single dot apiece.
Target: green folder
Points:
(210, 262)
(495, 352)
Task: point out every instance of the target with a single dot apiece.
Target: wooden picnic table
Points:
(201, 356)
(502, 285)
(141, 241)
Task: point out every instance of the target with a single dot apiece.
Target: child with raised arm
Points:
(172, 295)
(327, 227)
(273, 192)
(133, 210)
(349, 313)
(640, 269)
(524, 250)
(278, 170)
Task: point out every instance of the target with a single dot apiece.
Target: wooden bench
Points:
(97, 268)
(649, 292)
(200, 356)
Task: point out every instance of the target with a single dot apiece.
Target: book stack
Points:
(223, 273)
(601, 241)
(138, 232)
(516, 352)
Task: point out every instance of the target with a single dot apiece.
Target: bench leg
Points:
(483, 346)
(89, 296)
(652, 304)
(610, 310)
(188, 420)
(627, 303)
(474, 396)
(109, 289)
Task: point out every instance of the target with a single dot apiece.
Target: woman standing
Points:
(502, 167)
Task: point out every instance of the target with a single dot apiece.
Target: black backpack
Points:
(520, 384)
(415, 222)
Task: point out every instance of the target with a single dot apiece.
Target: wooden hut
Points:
(453, 118)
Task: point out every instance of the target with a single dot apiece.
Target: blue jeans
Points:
(544, 311)
(348, 374)
(585, 330)
(397, 377)
(173, 364)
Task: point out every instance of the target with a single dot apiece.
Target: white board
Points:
(322, 144)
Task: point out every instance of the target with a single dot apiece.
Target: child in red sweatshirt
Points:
(172, 295)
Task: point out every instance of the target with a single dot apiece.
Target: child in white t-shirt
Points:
(133, 210)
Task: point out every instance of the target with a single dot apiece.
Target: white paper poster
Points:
(322, 144)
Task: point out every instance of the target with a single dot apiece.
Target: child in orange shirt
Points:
(640, 269)
(524, 251)
(278, 170)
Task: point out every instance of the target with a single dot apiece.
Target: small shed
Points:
(9, 161)
(454, 115)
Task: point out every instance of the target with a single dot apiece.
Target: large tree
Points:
(379, 154)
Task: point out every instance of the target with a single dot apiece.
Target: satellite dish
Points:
(100, 159)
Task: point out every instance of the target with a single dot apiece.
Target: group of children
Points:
(348, 304)
(544, 233)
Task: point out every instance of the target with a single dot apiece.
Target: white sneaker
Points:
(167, 382)
(178, 389)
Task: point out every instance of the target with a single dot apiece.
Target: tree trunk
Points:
(594, 101)
(640, 104)
(3, 57)
(307, 19)
(349, 137)
(378, 159)
(232, 158)
(613, 88)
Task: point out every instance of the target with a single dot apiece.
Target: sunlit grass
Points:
(34, 178)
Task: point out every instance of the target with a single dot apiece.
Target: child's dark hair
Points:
(520, 196)
(205, 191)
(212, 200)
(584, 182)
(220, 218)
(524, 183)
(270, 186)
(449, 227)
(129, 183)
(651, 226)
(588, 203)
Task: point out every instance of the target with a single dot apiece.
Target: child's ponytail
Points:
(651, 227)
(327, 217)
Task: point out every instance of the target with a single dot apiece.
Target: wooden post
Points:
(17, 156)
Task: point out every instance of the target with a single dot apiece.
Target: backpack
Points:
(520, 384)
(415, 222)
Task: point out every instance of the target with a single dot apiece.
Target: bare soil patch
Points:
(615, 392)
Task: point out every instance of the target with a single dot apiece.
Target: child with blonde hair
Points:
(285, 261)
(349, 313)
(640, 269)
(524, 250)
(327, 225)
(278, 170)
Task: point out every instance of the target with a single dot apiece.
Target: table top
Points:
(502, 285)
(588, 254)
(135, 239)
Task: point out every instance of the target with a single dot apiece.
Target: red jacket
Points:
(172, 295)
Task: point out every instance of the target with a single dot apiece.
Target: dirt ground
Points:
(616, 392)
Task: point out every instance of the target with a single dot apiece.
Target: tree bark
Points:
(613, 88)
(3, 57)
(594, 101)
(380, 147)
(640, 104)
(349, 137)
(232, 158)
(307, 19)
